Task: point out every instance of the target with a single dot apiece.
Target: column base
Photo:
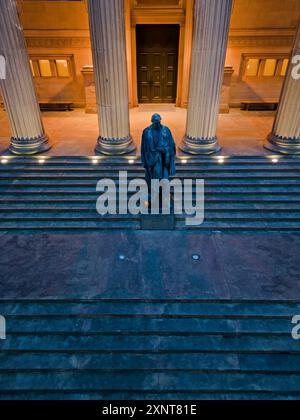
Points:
(284, 146)
(115, 147)
(30, 146)
(200, 146)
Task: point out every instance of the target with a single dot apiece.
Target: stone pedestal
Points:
(285, 137)
(107, 27)
(211, 27)
(18, 91)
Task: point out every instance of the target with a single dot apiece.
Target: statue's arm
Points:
(144, 148)
(172, 142)
(149, 154)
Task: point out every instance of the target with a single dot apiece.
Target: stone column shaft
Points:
(107, 26)
(18, 90)
(211, 28)
(285, 137)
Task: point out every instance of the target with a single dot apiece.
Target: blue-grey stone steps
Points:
(181, 307)
(242, 194)
(134, 349)
(28, 361)
(220, 201)
(158, 326)
(164, 382)
(165, 342)
(144, 395)
(41, 206)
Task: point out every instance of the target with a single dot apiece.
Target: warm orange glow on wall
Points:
(284, 67)
(270, 67)
(252, 67)
(32, 68)
(62, 68)
(45, 68)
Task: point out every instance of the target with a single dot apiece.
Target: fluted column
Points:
(211, 27)
(19, 96)
(107, 27)
(285, 137)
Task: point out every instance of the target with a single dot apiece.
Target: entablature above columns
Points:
(261, 37)
(152, 16)
(158, 12)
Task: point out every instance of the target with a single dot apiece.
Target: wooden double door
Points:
(157, 48)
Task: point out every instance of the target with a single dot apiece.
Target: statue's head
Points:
(156, 120)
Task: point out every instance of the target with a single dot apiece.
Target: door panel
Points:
(171, 77)
(144, 87)
(157, 77)
(157, 64)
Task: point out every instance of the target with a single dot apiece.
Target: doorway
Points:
(157, 62)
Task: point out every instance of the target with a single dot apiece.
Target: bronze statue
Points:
(158, 151)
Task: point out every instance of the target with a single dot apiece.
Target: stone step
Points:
(137, 395)
(242, 226)
(90, 219)
(87, 160)
(157, 324)
(122, 342)
(28, 361)
(50, 226)
(135, 361)
(241, 194)
(195, 308)
(93, 216)
(59, 207)
(181, 173)
(210, 202)
(89, 169)
(156, 381)
(80, 182)
(209, 189)
(231, 226)
(92, 170)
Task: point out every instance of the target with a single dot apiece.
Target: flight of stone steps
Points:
(149, 349)
(59, 194)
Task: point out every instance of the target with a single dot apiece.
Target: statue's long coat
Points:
(152, 158)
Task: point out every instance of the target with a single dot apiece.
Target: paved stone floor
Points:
(150, 265)
(75, 133)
